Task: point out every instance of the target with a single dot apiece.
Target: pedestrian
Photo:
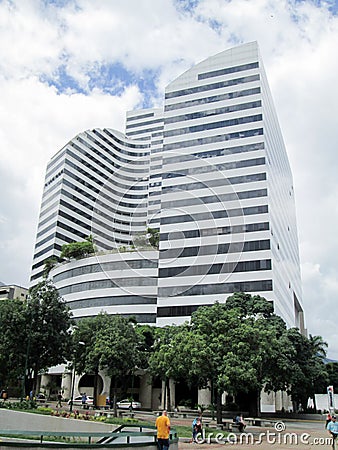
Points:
(163, 431)
(328, 419)
(59, 400)
(84, 400)
(196, 428)
(332, 428)
(240, 422)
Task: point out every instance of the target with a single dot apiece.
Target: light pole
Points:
(23, 385)
(73, 381)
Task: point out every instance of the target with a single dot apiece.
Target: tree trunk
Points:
(96, 373)
(218, 407)
(115, 397)
(168, 394)
(314, 404)
(258, 403)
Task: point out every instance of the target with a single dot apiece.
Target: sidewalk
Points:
(302, 438)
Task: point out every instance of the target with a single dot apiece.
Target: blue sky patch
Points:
(62, 82)
(111, 79)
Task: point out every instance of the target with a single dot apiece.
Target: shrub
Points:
(24, 404)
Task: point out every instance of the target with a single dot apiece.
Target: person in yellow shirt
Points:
(163, 431)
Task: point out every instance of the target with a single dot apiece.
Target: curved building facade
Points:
(116, 282)
(96, 185)
(209, 171)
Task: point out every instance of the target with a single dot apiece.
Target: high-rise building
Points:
(209, 171)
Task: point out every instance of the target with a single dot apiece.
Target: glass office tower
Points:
(209, 171)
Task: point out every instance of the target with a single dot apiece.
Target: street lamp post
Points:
(23, 385)
(73, 381)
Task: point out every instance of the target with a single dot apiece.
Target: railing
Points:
(78, 439)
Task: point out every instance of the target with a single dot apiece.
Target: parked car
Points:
(125, 404)
(78, 401)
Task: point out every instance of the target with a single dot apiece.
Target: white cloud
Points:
(43, 41)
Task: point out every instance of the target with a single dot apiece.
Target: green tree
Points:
(85, 359)
(233, 347)
(12, 351)
(332, 371)
(307, 366)
(118, 346)
(112, 345)
(240, 346)
(49, 264)
(78, 249)
(146, 340)
(35, 335)
(48, 324)
(165, 362)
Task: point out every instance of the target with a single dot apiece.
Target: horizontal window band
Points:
(213, 139)
(215, 249)
(214, 125)
(215, 289)
(211, 215)
(204, 232)
(227, 70)
(210, 87)
(214, 269)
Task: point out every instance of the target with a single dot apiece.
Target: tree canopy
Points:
(111, 344)
(307, 366)
(35, 334)
(239, 346)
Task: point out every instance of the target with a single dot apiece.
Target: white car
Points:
(125, 404)
(77, 401)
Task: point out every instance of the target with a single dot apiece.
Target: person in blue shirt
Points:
(240, 422)
(332, 428)
(196, 428)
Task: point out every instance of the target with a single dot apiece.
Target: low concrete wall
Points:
(173, 446)
(17, 420)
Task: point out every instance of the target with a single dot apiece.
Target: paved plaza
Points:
(284, 434)
(287, 436)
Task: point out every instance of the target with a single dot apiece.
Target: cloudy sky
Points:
(66, 66)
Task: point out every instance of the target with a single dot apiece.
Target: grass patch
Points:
(127, 421)
(182, 430)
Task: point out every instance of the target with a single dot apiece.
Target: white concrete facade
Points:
(209, 171)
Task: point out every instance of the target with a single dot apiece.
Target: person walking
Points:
(84, 399)
(328, 419)
(332, 428)
(59, 404)
(196, 428)
(163, 431)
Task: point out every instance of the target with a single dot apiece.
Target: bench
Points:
(229, 425)
(259, 422)
(268, 423)
(126, 414)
